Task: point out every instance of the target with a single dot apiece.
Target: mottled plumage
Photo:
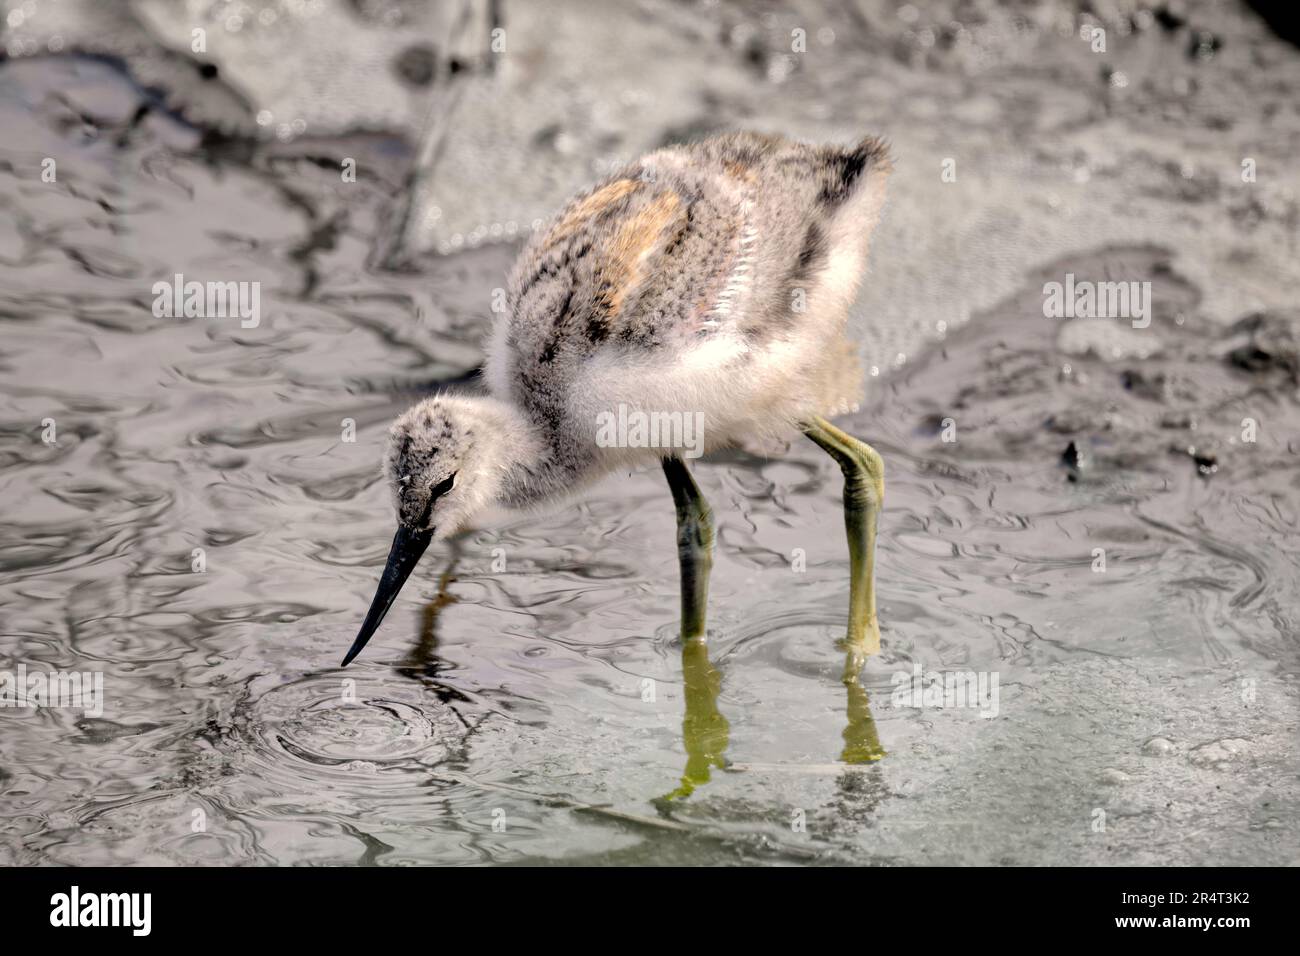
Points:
(712, 279)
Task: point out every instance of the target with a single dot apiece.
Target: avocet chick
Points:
(703, 289)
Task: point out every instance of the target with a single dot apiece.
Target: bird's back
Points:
(753, 237)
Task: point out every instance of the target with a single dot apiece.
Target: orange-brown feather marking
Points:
(637, 236)
(599, 201)
(738, 170)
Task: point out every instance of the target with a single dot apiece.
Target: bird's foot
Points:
(859, 644)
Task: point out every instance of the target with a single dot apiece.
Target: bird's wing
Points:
(688, 242)
(625, 263)
(805, 211)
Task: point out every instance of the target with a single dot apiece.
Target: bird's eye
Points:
(443, 487)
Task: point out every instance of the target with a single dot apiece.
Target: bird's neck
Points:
(530, 462)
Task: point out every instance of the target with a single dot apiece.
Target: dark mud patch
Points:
(1189, 429)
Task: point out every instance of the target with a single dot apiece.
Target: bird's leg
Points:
(705, 731)
(864, 491)
(694, 546)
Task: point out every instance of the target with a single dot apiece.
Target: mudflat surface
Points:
(1104, 517)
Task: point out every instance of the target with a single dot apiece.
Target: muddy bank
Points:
(1022, 133)
(1148, 704)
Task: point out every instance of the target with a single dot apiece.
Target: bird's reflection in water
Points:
(705, 732)
(861, 740)
(423, 663)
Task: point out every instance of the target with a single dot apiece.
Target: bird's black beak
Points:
(408, 546)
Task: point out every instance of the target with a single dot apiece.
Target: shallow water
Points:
(527, 699)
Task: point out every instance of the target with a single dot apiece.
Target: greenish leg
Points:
(694, 545)
(864, 491)
(705, 731)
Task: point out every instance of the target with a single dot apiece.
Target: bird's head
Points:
(447, 459)
(430, 465)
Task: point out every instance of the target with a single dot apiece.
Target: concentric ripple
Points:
(353, 725)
